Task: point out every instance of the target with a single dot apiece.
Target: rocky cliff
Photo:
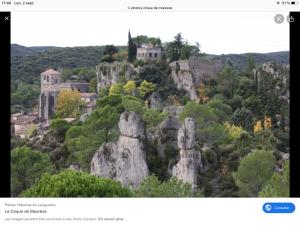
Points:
(189, 164)
(111, 73)
(123, 160)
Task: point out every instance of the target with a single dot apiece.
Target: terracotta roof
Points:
(87, 95)
(50, 72)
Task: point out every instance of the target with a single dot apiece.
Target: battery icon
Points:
(295, 3)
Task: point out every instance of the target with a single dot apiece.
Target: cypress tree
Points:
(131, 49)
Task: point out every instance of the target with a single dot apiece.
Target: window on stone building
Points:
(44, 77)
(47, 78)
(155, 55)
(150, 54)
(51, 101)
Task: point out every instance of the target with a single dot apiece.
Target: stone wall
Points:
(188, 74)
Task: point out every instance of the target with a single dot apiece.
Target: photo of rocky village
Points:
(150, 119)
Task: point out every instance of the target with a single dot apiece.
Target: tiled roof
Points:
(50, 72)
(23, 120)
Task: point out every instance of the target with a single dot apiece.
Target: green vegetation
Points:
(254, 171)
(279, 184)
(179, 49)
(69, 183)
(152, 187)
(26, 168)
(242, 124)
(83, 140)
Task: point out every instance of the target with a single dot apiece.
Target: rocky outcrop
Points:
(280, 74)
(188, 74)
(189, 164)
(111, 73)
(186, 135)
(184, 80)
(131, 125)
(173, 110)
(123, 160)
(155, 101)
(165, 134)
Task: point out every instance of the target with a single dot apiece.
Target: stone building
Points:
(51, 85)
(148, 53)
(89, 100)
(23, 125)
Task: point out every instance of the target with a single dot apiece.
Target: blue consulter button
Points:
(278, 207)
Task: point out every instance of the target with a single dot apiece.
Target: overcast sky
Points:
(217, 33)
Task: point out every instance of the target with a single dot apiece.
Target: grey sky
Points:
(217, 33)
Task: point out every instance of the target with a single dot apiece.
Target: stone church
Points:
(51, 85)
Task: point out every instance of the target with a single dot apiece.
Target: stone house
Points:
(23, 125)
(148, 52)
(89, 101)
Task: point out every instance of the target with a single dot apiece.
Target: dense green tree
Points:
(201, 113)
(226, 81)
(25, 97)
(188, 50)
(174, 48)
(221, 109)
(59, 127)
(113, 101)
(152, 187)
(254, 171)
(236, 102)
(153, 117)
(26, 168)
(93, 85)
(142, 39)
(279, 184)
(133, 104)
(151, 73)
(243, 117)
(71, 183)
(108, 53)
(246, 87)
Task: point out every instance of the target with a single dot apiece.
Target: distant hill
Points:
(238, 61)
(19, 50)
(27, 68)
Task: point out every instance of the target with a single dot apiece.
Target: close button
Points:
(278, 207)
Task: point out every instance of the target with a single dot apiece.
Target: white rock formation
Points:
(189, 164)
(123, 160)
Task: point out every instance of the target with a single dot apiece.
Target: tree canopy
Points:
(69, 183)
